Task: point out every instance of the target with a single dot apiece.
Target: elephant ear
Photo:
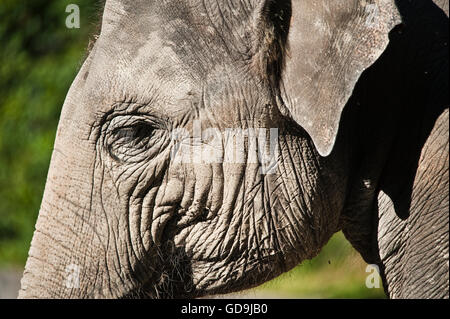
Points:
(331, 42)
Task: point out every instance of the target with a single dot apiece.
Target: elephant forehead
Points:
(130, 57)
(155, 76)
(200, 33)
(170, 53)
(140, 71)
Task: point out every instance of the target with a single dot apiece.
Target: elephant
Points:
(352, 101)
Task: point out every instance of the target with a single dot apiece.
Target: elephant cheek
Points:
(266, 223)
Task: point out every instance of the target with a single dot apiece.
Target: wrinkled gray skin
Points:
(140, 224)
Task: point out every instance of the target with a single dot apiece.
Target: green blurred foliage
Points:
(39, 58)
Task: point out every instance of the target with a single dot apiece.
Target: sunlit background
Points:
(39, 58)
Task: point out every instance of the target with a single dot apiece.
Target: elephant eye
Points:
(134, 134)
(134, 138)
(130, 143)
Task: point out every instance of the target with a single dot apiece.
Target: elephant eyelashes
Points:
(130, 140)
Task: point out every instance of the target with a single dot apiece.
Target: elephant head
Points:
(157, 186)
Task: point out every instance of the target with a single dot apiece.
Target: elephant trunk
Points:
(65, 240)
(72, 249)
